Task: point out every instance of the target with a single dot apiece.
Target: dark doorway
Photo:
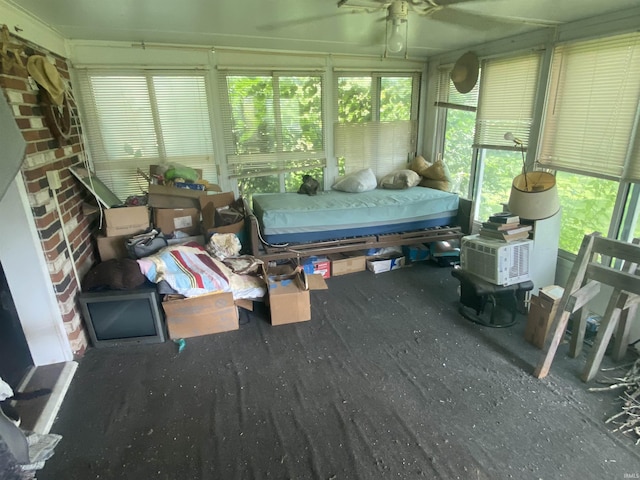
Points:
(15, 357)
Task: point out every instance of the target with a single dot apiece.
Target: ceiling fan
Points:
(441, 10)
(398, 11)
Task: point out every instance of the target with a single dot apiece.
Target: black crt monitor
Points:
(123, 317)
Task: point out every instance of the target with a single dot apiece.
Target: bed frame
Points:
(453, 232)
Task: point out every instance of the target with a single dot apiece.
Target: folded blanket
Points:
(190, 271)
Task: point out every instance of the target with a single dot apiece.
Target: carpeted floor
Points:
(386, 381)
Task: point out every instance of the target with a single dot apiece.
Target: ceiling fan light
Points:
(395, 43)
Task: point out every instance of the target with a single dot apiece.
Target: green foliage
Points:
(354, 99)
(587, 207)
(458, 152)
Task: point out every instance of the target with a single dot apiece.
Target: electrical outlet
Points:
(53, 176)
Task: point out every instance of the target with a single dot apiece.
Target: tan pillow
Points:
(434, 175)
(400, 180)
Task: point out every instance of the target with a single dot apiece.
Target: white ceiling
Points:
(301, 25)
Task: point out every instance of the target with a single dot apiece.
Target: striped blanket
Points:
(191, 271)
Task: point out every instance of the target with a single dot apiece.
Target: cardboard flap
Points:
(316, 282)
(209, 203)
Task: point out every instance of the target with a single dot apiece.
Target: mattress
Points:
(294, 218)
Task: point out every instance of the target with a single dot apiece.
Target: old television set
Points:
(123, 317)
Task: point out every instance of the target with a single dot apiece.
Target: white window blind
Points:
(447, 96)
(506, 100)
(376, 125)
(137, 119)
(592, 108)
(381, 146)
(273, 122)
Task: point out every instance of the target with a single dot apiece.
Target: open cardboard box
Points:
(208, 206)
(168, 196)
(288, 294)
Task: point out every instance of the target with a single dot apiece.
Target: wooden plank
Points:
(577, 333)
(582, 296)
(617, 249)
(608, 325)
(621, 340)
(615, 278)
(559, 323)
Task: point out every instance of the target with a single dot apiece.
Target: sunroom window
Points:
(376, 125)
(274, 132)
(134, 119)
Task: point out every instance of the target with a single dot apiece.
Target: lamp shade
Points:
(534, 196)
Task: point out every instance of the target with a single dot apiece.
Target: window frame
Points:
(232, 157)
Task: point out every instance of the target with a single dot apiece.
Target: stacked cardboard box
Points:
(118, 225)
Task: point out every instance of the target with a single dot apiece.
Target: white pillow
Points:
(400, 180)
(360, 181)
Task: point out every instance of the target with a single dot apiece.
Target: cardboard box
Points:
(416, 253)
(201, 315)
(289, 301)
(125, 221)
(385, 264)
(542, 309)
(111, 247)
(208, 206)
(163, 196)
(170, 220)
(344, 263)
(317, 265)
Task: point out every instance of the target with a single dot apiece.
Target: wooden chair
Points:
(591, 270)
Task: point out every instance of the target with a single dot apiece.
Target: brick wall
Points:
(44, 153)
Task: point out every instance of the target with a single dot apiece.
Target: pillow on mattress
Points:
(356, 182)
(434, 175)
(399, 180)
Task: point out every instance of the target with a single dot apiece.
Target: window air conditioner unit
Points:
(497, 262)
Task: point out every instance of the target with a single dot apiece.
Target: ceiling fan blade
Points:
(508, 18)
(297, 21)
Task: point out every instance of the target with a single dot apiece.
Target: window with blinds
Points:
(506, 100)
(273, 123)
(376, 125)
(448, 97)
(135, 119)
(590, 123)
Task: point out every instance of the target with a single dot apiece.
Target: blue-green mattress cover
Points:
(292, 217)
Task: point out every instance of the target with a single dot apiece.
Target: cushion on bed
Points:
(434, 175)
(356, 182)
(400, 179)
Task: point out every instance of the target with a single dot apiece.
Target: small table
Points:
(476, 293)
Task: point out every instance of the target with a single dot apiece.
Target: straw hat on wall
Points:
(465, 72)
(47, 77)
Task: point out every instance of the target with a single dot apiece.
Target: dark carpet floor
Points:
(386, 381)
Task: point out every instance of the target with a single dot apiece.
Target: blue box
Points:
(190, 186)
(416, 253)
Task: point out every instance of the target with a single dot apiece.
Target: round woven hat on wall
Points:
(47, 77)
(465, 72)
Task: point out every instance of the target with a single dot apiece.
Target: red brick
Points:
(34, 173)
(26, 111)
(30, 98)
(23, 123)
(13, 83)
(30, 135)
